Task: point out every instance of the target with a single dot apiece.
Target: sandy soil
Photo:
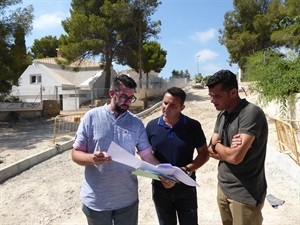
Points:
(48, 193)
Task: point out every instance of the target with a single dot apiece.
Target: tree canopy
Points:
(255, 25)
(269, 70)
(14, 26)
(45, 47)
(107, 29)
(153, 57)
(181, 74)
(263, 38)
(275, 78)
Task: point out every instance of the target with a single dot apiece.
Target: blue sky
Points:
(189, 32)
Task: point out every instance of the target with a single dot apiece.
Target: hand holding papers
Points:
(152, 175)
(118, 154)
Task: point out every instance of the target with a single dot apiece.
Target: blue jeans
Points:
(124, 216)
(181, 201)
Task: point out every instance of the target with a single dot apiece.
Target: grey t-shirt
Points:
(245, 182)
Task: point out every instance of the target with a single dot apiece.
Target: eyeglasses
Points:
(125, 98)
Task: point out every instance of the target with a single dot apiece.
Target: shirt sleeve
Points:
(143, 142)
(252, 121)
(145, 152)
(80, 142)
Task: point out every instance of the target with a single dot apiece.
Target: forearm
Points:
(235, 153)
(200, 160)
(82, 158)
(147, 156)
(87, 159)
(150, 159)
(229, 154)
(214, 154)
(219, 151)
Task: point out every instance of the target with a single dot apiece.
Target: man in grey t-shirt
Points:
(239, 143)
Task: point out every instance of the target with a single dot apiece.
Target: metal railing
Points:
(66, 124)
(288, 134)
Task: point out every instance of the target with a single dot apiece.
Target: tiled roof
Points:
(87, 69)
(83, 64)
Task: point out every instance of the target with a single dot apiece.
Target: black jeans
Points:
(181, 201)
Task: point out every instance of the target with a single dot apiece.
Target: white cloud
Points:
(205, 55)
(205, 36)
(210, 68)
(47, 21)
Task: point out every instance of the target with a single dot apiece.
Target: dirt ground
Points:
(48, 193)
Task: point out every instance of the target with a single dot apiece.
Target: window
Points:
(35, 79)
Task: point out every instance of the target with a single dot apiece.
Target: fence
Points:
(21, 106)
(66, 124)
(288, 134)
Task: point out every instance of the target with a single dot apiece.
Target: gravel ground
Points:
(48, 193)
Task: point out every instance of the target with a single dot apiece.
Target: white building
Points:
(46, 80)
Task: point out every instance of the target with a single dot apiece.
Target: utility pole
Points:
(198, 64)
(140, 49)
(140, 56)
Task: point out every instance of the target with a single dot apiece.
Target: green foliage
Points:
(4, 98)
(288, 33)
(275, 78)
(18, 52)
(14, 25)
(253, 34)
(153, 58)
(109, 29)
(198, 78)
(257, 25)
(181, 74)
(45, 47)
(206, 78)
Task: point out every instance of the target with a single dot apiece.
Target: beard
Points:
(121, 108)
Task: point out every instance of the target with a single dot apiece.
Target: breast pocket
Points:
(123, 134)
(126, 138)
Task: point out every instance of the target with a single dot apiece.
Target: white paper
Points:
(118, 154)
(99, 167)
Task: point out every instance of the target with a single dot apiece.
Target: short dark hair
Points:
(177, 92)
(224, 77)
(123, 80)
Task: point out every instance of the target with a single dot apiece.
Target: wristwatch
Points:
(188, 171)
(213, 147)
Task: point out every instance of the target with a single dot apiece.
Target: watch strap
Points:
(188, 171)
(213, 147)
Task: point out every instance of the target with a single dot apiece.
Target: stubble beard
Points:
(119, 109)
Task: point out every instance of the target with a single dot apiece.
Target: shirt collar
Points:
(112, 113)
(182, 120)
(237, 109)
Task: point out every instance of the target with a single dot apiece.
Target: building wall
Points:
(52, 86)
(36, 92)
(274, 110)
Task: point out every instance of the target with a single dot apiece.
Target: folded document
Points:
(152, 175)
(165, 170)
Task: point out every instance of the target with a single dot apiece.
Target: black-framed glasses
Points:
(125, 98)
